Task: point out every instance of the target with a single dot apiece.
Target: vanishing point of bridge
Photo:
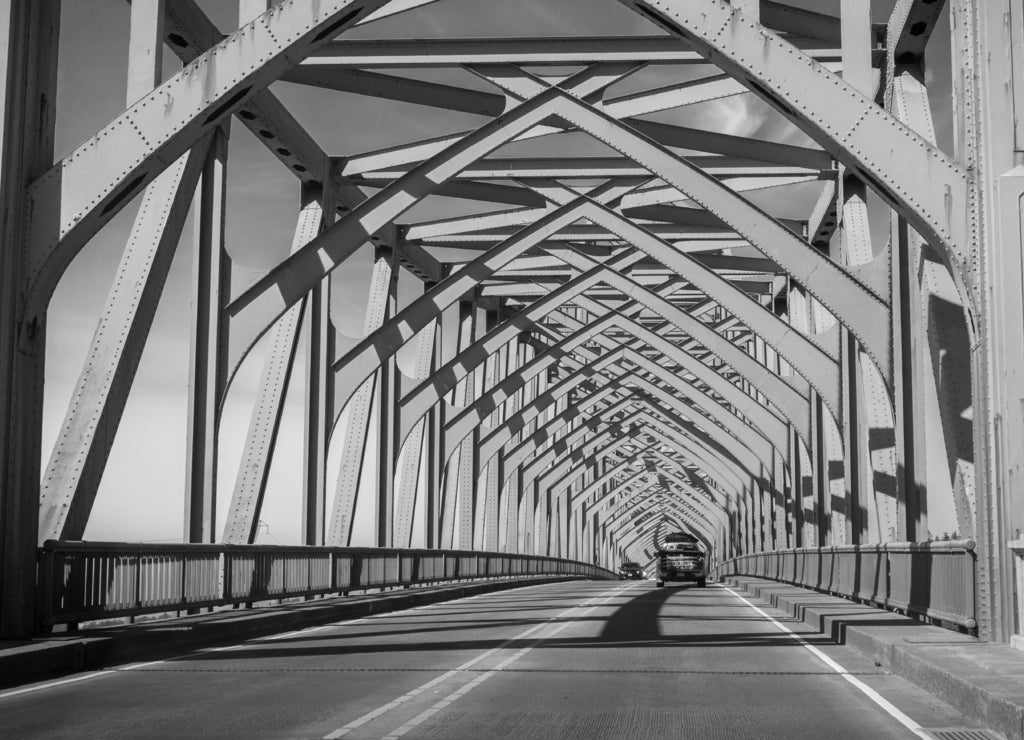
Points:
(752, 271)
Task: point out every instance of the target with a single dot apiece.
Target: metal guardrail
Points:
(80, 581)
(930, 579)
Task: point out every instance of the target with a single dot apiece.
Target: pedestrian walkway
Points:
(983, 680)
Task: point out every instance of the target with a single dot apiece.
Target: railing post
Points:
(225, 575)
(44, 600)
(137, 586)
(1017, 548)
(184, 577)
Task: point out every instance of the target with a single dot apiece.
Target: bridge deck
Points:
(583, 659)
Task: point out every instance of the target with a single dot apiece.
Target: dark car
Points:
(681, 558)
(631, 571)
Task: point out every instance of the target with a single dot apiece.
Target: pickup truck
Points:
(681, 558)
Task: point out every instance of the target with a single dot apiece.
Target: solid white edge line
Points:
(51, 684)
(869, 692)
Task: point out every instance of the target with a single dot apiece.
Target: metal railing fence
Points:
(929, 579)
(81, 581)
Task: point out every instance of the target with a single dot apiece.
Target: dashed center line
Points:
(45, 685)
(581, 610)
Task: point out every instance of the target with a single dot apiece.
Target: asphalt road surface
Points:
(572, 660)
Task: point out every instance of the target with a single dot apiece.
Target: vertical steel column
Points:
(471, 511)
(432, 441)
(509, 514)
(527, 500)
(817, 473)
(489, 476)
(911, 518)
(805, 481)
(543, 527)
(820, 321)
(467, 461)
(317, 412)
(780, 510)
(528, 516)
(945, 366)
(387, 423)
(855, 248)
(211, 285)
(757, 512)
(796, 487)
(145, 49)
(412, 451)
(455, 487)
(988, 46)
(28, 71)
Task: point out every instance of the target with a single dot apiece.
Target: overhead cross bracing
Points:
(731, 265)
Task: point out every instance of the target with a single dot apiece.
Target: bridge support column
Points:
(211, 284)
(470, 511)
(511, 514)
(455, 467)
(28, 73)
(796, 490)
(387, 421)
(408, 488)
(911, 522)
(434, 450)
(488, 479)
(818, 473)
(989, 108)
(528, 515)
(318, 404)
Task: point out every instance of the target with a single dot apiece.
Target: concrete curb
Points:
(60, 655)
(984, 681)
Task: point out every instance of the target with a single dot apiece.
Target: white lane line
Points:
(248, 643)
(459, 693)
(385, 615)
(369, 716)
(52, 684)
(869, 692)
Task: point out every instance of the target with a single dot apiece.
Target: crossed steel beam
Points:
(638, 341)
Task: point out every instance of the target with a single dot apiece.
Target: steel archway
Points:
(589, 312)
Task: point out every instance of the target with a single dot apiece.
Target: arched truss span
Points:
(655, 324)
(658, 498)
(760, 419)
(784, 393)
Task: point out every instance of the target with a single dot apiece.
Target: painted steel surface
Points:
(83, 581)
(653, 330)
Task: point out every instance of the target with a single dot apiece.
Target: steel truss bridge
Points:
(611, 340)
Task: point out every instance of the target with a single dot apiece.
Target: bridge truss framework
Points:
(640, 343)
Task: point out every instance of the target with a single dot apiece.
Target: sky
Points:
(141, 496)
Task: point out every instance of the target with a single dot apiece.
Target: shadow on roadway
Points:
(636, 622)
